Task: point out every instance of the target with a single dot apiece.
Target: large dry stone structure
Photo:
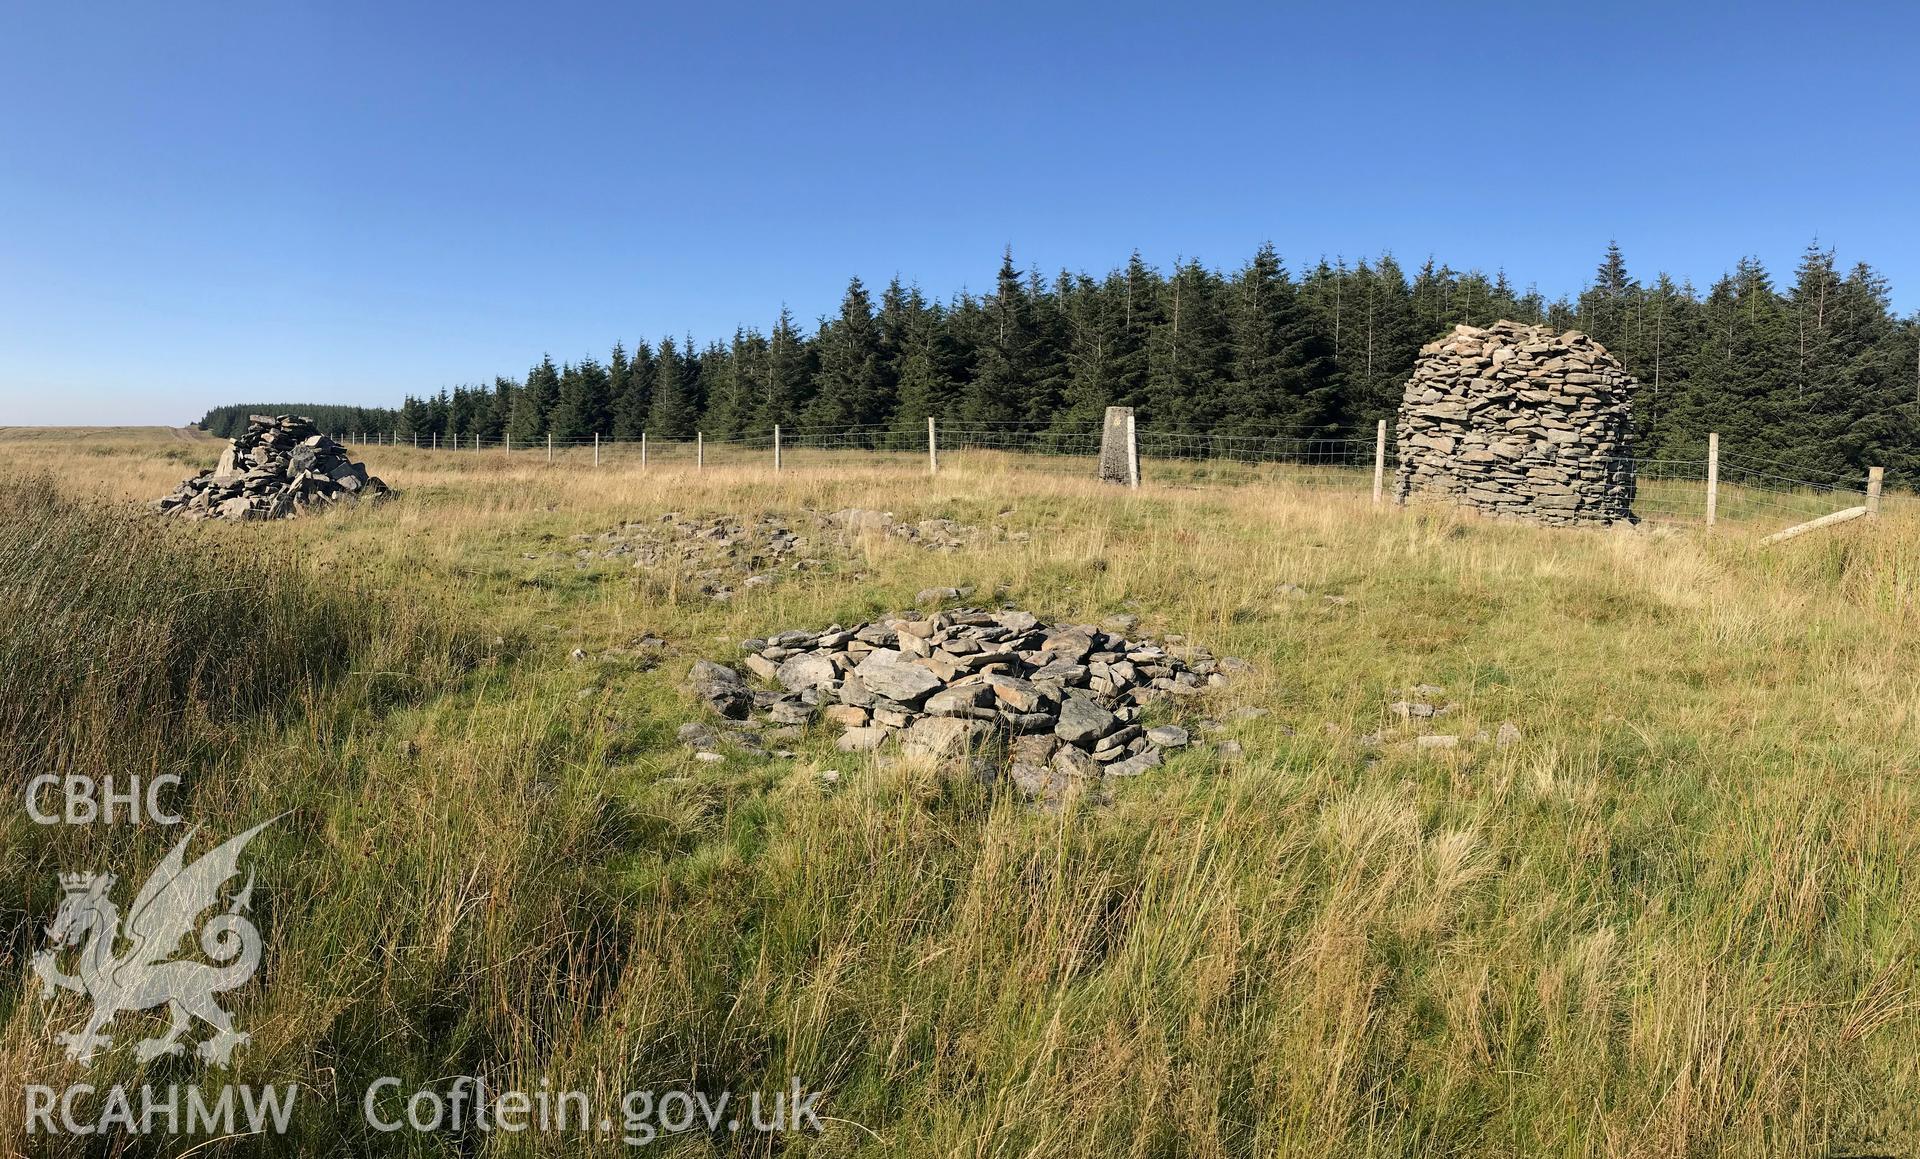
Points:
(1519, 421)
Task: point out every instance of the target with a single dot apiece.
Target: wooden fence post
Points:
(1379, 461)
(1713, 477)
(933, 448)
(549, 446)
(1875, 477)
(699, 451)
(1133, 453)
(436, 440)
(643, 450)
(596, 448)
(776, 448)
(506, 444)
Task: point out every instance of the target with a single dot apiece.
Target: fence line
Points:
(1718, 485)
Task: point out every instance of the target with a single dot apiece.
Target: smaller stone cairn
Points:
(1519, 421)
(1061, 704)
(280, 467)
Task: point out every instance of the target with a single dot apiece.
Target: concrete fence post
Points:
(1133, 454)
(776, 448)
(699, 451)
(933, 448)
(1379, 461)
(1713, 477)
(596, 448)
(1875, 477)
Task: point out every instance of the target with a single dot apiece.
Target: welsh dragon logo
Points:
(147, 975)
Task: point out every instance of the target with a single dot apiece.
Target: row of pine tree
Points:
(1820, 374)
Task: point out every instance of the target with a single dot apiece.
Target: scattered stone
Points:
(938, 737)
(1521, 422)
(1507, 734)
(1083, 721)
(805, 670)
(895, 676)
(716, 553)
(1135, 765)
(1168, 736)
(279, 467)
(1437, 741)
(861, 740)
(695, 735)
(722, 688)
(1062, 700)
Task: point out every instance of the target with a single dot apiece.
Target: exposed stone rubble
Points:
(725, 554)
(1427, 703)
(1519, 421)
(279, 467)
(1062, 703)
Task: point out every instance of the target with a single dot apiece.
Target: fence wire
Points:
(1750, 487)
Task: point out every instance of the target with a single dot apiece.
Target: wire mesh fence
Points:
(1748, 488)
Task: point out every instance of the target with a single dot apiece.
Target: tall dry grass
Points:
(1671, 921)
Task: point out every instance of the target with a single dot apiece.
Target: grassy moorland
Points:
(1673, 919)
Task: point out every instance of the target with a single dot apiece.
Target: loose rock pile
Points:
(1519, 421)
(724, 554)
(1064, 702)
(277, 469)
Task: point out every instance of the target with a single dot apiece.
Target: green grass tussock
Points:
(1673, 919)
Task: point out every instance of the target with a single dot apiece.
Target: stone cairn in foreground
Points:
(1062, 702)
(1519, 421)
(278, 468)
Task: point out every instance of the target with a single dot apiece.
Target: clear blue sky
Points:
(345, 201)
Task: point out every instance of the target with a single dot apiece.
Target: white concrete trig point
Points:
(1119, 448)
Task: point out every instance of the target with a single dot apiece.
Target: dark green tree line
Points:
(1816, 372)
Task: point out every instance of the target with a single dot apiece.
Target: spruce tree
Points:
(851, 386)
(633, 397)
(788, 380)
(674, 414)
(533, 403)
